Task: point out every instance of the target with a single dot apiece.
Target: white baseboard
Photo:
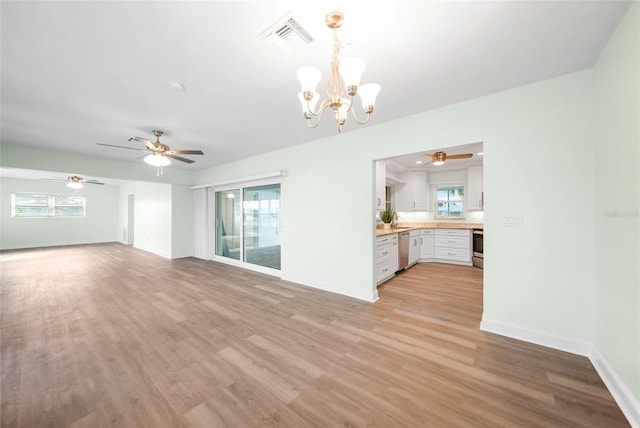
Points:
(247, 266)
(52, 244)
(325, 286)
(152, 250)
(542, 338)
(181, 255)
(628, 403)
(367, 296)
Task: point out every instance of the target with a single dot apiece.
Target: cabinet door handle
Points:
(385, 253)
(420, 241)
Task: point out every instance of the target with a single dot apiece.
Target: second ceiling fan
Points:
(438, 158)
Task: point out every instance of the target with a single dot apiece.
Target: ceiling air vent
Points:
(287, 35)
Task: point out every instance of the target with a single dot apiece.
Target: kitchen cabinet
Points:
(386, 258)
(414, 246)
(474, 189)
(414, 195)
(453, 245)
(380, 201)
(426, 244)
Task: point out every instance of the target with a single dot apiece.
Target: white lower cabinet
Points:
(426, 244)
(453, 245)
(386, 257)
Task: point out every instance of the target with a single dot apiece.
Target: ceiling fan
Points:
(438, 158)
(75, 182)
(159, 152)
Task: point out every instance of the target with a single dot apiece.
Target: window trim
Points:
(51, 205)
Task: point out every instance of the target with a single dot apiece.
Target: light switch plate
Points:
(512, 221)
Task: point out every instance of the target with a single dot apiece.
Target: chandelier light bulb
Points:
(368, 93)
(309, 78)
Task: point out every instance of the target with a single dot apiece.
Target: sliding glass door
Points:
(248, 225)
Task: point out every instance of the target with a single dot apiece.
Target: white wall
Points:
(99, 225)
(617, 195)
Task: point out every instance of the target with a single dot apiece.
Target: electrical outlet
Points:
(512, 221)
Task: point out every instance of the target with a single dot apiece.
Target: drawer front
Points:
(386, 240)
(453, 232)
(383, 254)
(428, 232)
(452, 241)
(383, 271)
(453, 254)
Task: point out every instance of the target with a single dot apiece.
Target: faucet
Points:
(394, 219)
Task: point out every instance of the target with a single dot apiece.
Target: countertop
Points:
(427, 225)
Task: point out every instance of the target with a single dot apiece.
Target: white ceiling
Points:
(79, 73)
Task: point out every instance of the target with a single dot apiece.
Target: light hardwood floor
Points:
(107, 335)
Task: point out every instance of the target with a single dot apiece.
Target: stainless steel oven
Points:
(478, 251)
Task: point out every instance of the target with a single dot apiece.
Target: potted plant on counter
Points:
(387, 217)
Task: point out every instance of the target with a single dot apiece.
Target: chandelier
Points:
(343, 85)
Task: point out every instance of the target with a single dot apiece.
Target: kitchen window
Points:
(43, 205)
(450, 201)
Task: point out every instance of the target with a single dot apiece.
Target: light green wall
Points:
(163, 218)
(152, 216)
(617, 192)
(529, 281)
(99, 225)
(181, 221)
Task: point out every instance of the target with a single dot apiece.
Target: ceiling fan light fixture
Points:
(439, 158)
(75, 185)
(157, 160)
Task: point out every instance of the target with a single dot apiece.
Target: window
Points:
(450, 201)
(35, 205)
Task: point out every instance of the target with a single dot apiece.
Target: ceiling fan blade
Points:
(122, 147)
(462, 156)
(178, 158)
(146, 142)
(184, 152)
(93, 182)
(54, 179)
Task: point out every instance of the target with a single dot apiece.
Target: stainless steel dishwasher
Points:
(403, 250)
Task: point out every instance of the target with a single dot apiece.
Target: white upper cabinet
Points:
(379, 201)
(414, 195)
(474, 189)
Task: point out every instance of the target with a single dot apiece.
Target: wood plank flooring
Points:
(110, 336)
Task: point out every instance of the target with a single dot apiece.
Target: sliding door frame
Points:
(242, 186)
